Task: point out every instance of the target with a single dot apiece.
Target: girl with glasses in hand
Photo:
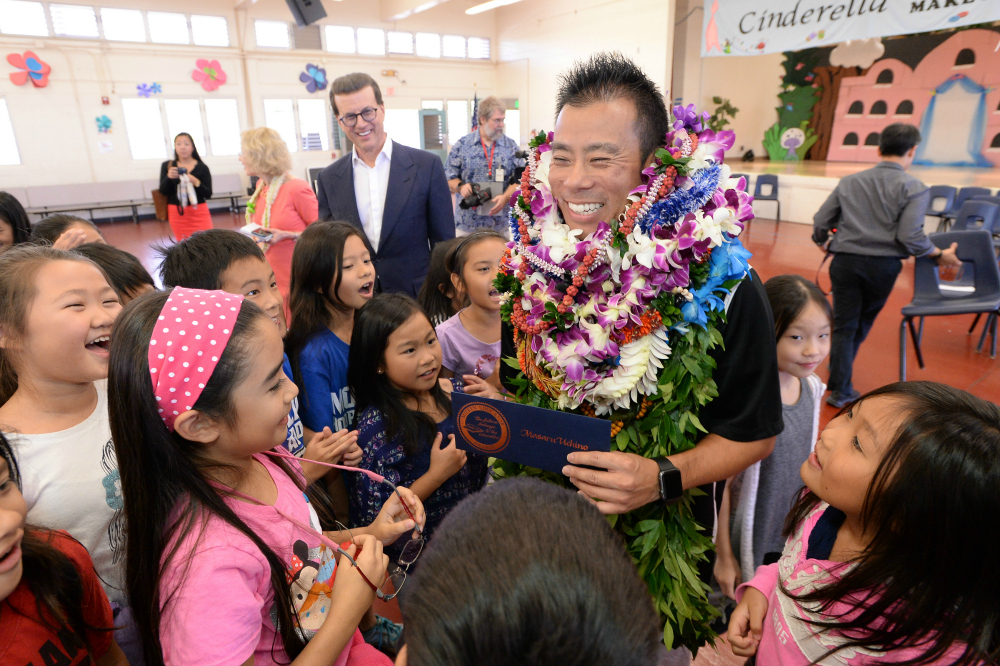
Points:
(225, 561)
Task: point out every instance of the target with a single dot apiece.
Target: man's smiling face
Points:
(596, 162)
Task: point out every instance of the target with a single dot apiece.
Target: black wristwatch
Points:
(671, 488)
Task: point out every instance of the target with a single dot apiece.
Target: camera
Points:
(181, 171)
(478, 197)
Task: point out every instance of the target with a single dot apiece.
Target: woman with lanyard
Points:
(187, 184)
(282, 205)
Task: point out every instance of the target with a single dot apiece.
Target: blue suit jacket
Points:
(418, 213)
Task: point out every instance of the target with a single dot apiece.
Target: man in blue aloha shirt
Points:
(484, 155)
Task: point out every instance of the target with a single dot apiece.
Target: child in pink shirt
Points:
(890, 559)
(225, 560)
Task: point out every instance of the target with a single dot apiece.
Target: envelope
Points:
(523, 434)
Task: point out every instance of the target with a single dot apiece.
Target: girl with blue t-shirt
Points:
(332, 276)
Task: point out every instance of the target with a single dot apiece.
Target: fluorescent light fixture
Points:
(487, 6)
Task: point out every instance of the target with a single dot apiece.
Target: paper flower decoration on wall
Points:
(103, 124)
(314, 77)
(32, 68)
(145, 89)
(209, 73)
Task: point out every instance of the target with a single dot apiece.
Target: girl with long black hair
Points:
(405, 427)
(224, 559)
(891, 550)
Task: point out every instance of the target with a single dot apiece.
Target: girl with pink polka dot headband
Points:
(190, 335)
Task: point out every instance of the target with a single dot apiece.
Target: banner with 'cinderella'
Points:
(752, 27)
(525, 435)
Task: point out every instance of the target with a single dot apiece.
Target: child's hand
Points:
(348, 586)
(480, 387)
(352, 458)
(727, 572)
(328, 447)
(392, 521)
(447, 460)
(747, 622)
(70, 239)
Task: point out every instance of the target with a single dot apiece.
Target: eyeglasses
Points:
(351, 119)
(397, 572)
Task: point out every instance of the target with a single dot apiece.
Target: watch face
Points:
(671, 488)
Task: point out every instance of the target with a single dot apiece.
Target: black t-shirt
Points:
(748, 407)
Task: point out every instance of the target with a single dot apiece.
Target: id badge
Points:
(499, 175)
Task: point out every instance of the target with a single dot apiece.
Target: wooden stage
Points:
(804, 186)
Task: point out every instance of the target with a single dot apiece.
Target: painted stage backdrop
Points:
(836, 101)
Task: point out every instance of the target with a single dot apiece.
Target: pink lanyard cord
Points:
(378, 478)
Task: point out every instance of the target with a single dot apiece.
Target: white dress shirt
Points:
(370, 186)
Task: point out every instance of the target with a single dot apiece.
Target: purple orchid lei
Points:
(598, 312)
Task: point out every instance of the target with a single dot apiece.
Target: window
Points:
(965, 58)
(144, 126)
(210, 30)
(851, 139)
(857, 108)
(872, 139)
(479, 48)
(73, 21)
(8, 146)
(879, 108)
(884, 77)
(371, 41)
(401, 42)
(123, 25)
(512, 124)
(402, 125)
(23, 18)
(428, 45)
(432, 105)
(280, 116)
(458, 120)
(272, 34)
(995, 143)
(905, 108)
(184, 115)
(453, 46)
(312, 122)
(339, 39)
(223, 126)
(168, 28)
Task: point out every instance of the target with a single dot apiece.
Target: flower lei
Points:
(620, 324)
(272, 194)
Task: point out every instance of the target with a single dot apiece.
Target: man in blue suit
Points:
(398, 195)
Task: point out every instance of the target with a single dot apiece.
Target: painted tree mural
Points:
(791, 137)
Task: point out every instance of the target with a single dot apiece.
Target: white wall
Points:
(55, 129)
(751, 83)
(538, 40)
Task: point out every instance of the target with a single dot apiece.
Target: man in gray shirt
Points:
(878, 216)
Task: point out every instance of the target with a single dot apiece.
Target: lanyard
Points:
(489, 157)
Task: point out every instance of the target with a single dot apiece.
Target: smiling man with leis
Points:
(629, 296)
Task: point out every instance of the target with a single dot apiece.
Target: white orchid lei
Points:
(620, 325)
(596, 313)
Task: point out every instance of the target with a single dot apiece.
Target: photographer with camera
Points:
(482, 169)
(186, 182)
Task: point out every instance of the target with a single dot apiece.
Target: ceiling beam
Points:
(396, 10)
